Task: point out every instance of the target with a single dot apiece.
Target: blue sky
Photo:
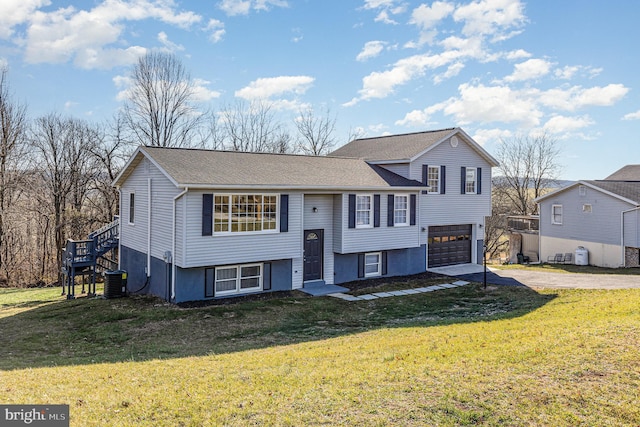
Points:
(496, 68)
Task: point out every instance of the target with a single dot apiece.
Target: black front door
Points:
(313, 248)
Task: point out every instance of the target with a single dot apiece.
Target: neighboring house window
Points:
(586, 208)
(401, 210)
(582, 190)
(238, 279)
(433, 179)
(470, 181)
(556, 214)
(132, 208)
(244, 213)
(373, 264)
(363, 211)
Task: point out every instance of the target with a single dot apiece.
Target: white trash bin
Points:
(582, 256)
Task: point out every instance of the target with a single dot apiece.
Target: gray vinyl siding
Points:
(376, 238)
(401, 169)
(322, 219)
(237, 248)
(452, 207)
(162, 193)
(601, 225)
(338, 222)
(632, 229)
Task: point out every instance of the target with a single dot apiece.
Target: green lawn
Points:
(463, 356)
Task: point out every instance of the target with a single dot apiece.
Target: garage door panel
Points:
(449, 245)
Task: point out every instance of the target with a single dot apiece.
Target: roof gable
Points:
(406, 147)
(628, 192)
(626, 173)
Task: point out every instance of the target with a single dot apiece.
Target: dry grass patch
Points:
(509, 356)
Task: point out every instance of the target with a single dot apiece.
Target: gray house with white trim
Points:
(603, 216)
(201, 224)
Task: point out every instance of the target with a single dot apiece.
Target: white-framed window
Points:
(586, 208)
(238, 279)
(364, 207)
(373, 264)
(582, 190)
(470, 181)
(400, 210)
(433, 179)
(132, 208)
(239, 213)
(556, 214)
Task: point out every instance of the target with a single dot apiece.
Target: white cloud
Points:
(265, 88)
(168, 44)
(4, 63)
(576, 97)
(386, 8)
(482, 136)
(452, 71)
(517, 54)
(371, 50)
(563, 124)
(427, 19)
(201, 93)
(244, 7)
(491, 17)
(568, 72)
(216, 28)
(529, 70)
(15, 12)
(632, 116)
(84, 36)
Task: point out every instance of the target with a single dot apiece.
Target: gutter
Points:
(173, 243)
(148, 228)
(624, 264)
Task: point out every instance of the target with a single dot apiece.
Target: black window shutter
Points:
(207, 214)
(412, 207)
(463, 180)
(376, 210)
(352, 211)
(266, 277)
(284, 213)
(390, 208)
(479, 180)
(360, 265)
(209, 282)
(384, 263)
(443, 179)
(425, 174)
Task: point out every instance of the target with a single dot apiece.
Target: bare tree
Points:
(62, 151)
(529, 167)
(160, 109)
(315, 133)
(13, 123)
(249, 127)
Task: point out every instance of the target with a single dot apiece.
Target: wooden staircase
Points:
(87, 257)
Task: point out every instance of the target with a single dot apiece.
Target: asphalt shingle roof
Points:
(193, 167)
(626, 173)
(393, 147)
(628, 189)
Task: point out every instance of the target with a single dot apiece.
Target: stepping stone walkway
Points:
(376, 295)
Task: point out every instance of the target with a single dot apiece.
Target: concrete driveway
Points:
(542, 279)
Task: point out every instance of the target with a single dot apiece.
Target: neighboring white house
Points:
(602, 216)
(200, 224)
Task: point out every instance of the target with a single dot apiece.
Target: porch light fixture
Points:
(314, 209)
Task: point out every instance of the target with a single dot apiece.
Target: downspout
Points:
(624, 264)
(148, 228)
(173, 243)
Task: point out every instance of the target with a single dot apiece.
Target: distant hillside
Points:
(558, 183)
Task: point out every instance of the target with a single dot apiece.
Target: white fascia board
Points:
(130, 163)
